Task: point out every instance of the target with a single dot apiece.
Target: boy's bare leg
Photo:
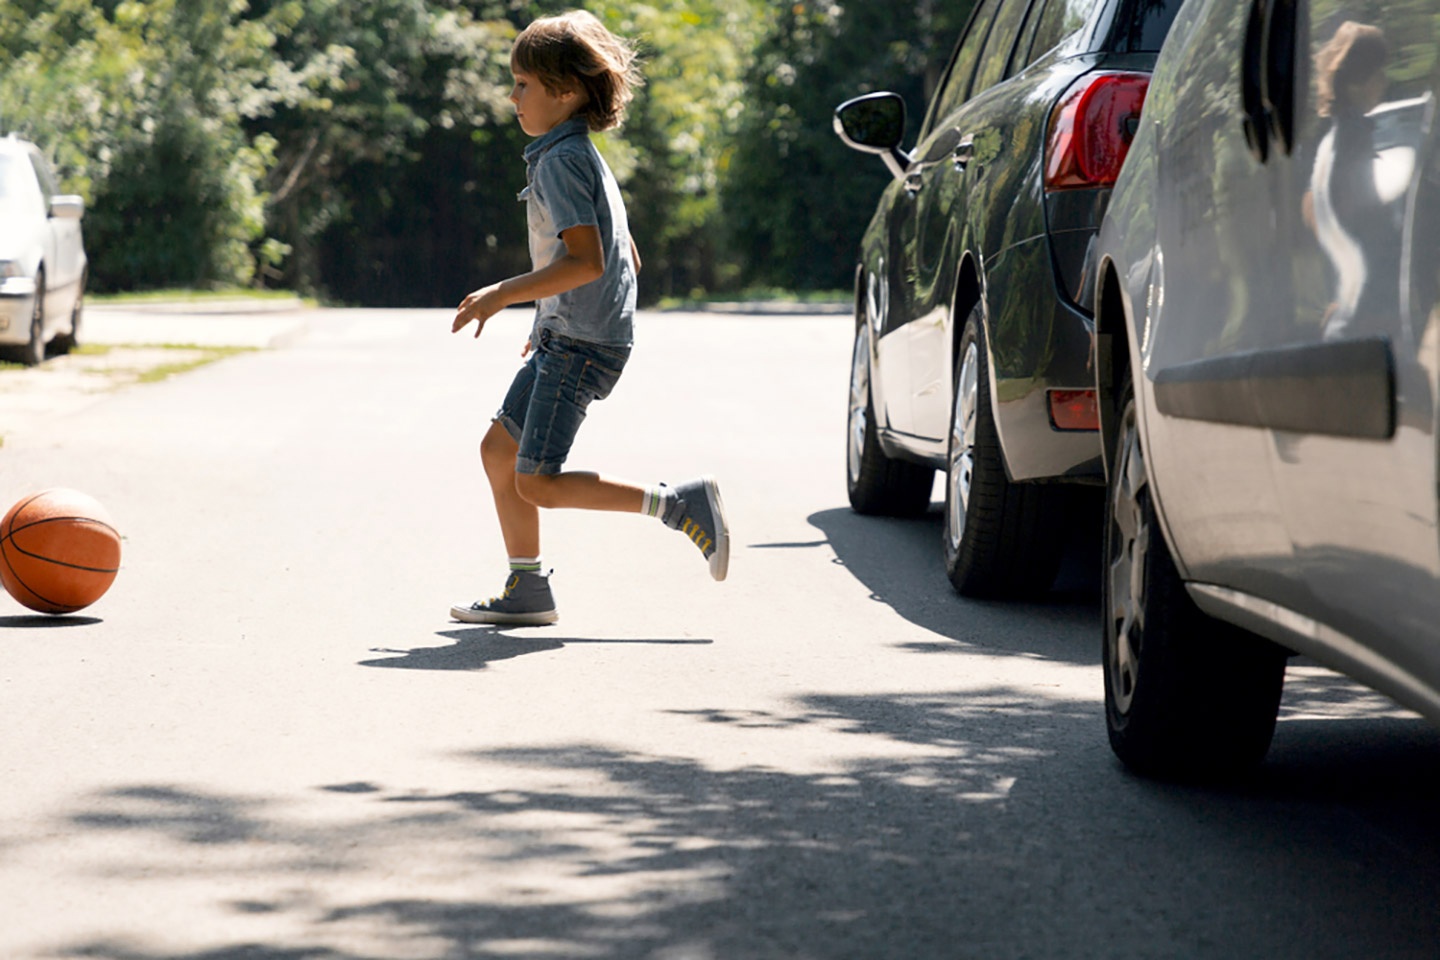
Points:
(519, 518)
(518, 497)
(579, 490)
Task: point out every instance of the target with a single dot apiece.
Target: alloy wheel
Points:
(1129, 543)
(961, 468)
(859, 419)
(34, 352)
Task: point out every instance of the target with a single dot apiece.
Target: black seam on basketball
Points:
(59, 607)
(61, 563)
(44, 520)
(19, 508)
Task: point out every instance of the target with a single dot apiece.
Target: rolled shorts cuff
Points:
(538, 467)
(509, 425)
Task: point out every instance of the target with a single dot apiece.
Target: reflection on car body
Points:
(1266, 357)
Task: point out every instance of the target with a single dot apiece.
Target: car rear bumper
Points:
(1038, 342)
(1035, 450)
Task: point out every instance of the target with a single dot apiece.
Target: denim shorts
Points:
(547, 400)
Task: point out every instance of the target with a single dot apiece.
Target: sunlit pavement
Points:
(269, 741)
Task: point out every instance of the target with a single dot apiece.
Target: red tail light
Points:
(1091, 129)
(1074, 410)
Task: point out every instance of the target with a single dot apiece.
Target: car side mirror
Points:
(875, 123)
(67, 207)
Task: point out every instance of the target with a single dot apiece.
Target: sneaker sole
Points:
(469, 615)
(720, 559)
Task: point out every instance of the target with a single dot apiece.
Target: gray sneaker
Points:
(527, 601)
(699, 514)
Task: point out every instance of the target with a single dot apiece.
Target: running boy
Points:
(571, 76)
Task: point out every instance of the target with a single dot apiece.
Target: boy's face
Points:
(538, 110)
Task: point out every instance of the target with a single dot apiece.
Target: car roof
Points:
(10, 143)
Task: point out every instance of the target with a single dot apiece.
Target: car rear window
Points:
(11, 186)
(1141, 25)
(1060, 19)
(19, 196)
(8, 165)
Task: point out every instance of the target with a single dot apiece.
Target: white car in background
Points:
(42, 256)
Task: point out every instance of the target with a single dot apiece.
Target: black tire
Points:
(69, 341)
(1002, 539)
(33, 352)
(1187, 696)
(877, 485)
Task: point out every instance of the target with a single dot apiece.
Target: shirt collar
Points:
(575, 126)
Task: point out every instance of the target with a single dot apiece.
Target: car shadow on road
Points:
(475, 648)
(899, 561)
(978, 823)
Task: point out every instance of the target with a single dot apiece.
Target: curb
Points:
(230, 307)
(212, 324)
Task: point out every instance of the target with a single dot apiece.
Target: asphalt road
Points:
(268, 741)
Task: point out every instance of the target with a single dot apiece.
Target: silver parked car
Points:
(42, 256)
(1267, 357)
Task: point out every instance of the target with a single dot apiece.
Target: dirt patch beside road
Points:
(65, 384)
(128, 344)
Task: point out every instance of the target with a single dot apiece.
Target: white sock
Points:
(525, 564)
(658, 500)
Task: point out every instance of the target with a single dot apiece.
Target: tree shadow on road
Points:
(989, 824)
(899, 561)
(475, 648)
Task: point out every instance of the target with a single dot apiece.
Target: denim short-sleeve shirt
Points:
(570, 185)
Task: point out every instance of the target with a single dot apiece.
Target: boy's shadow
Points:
(475, 648)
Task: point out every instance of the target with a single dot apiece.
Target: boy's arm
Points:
(635, 256)
(583, 262)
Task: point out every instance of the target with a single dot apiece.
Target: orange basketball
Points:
(59, 551)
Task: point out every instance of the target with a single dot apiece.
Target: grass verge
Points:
(757, 295)
(182, 295)
(206, 355)
(199, 356)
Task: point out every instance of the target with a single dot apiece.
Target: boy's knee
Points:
(537, 489)
(495, 451)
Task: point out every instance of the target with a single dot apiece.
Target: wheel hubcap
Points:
(859, 402)
(960, 471)
(1130, 539)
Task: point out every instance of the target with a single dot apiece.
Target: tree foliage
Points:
(141, 105)
(367, 151)
(796, 199)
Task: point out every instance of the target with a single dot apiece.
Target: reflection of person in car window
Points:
(1352, 221)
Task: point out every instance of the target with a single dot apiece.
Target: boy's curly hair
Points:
(574, 51)
(1356, 53)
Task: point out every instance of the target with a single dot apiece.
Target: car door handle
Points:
(964, 153)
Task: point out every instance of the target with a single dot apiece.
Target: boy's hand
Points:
(478, 306)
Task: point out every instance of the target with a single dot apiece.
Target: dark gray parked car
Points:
(1268, 353)
(972, 292)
